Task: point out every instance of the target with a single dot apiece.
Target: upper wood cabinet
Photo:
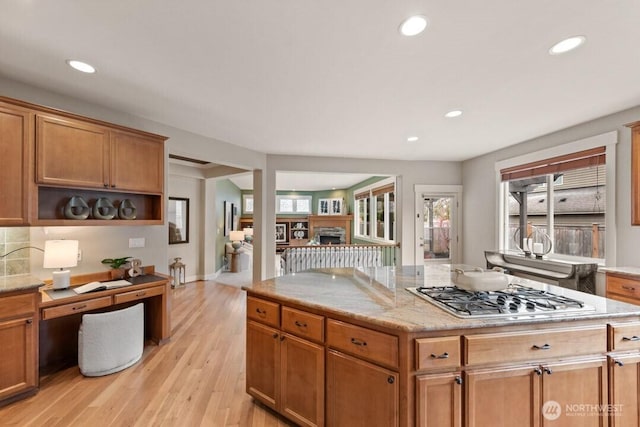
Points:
(78, 154)
(16, 126)
(635, 172)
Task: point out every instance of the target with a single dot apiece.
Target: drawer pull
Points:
(141, 294)
(633, 338)
(618, 362)
(444, 355)
(541, 347)
(628, 288)
(300, 325)
(391, 379)
(356, 341)
(261, 312)
(458, 379)
(80, 307)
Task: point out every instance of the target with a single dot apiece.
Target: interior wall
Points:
(480, 190)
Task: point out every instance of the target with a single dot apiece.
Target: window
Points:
(559, 203)
(375, 212)
(293, 204)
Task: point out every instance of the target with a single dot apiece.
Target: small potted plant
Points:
(118, 266)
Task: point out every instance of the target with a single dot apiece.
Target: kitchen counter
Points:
(19, 283)
(627, 271)
(378, 296)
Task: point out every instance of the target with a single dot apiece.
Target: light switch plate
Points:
(136, 242)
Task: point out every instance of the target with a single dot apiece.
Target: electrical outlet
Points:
(136, 242)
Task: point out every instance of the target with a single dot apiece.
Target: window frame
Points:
(294, 198)
(371, 207)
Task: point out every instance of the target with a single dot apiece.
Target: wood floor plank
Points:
(196, 379)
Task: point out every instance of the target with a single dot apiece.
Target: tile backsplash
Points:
(12, 238)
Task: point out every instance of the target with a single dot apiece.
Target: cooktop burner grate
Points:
(516, 300)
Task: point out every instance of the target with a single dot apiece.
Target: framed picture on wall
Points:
(228, 217)
(281, 233)
(330, 207)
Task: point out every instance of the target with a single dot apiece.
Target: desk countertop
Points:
(19, 283)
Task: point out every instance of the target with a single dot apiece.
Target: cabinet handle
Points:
(444, 355)
(538, 371)
(261, 313)
(458, 379)
(80, 307)
(618, 362)
(548, 371)
(29, 321)
(543, 347)
(106, 184)
(282, 337)
(141, 294)
(275, 335)
(300, 325)
(356, 341)
(391, 379)
(633, 338)
(628, 288)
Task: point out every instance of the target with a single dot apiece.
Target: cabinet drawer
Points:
(139, 294)
(17, 304)
(623, 286)
(534, 345)
(78, 307)
(263, 311)
(303, 324)
(436, 353)
(365, 343)
(624, 336)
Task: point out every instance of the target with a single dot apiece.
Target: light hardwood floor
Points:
(196, 379)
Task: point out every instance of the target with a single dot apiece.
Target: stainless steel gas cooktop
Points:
(514, 301)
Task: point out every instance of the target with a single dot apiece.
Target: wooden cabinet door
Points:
(137, 163)
(302, 381)
(503, 397)
(579, 389)
(71, 153)
(439, 400)
(624, 390)
(16, 171)
(18, 370)
(360, 393)
(263, 363)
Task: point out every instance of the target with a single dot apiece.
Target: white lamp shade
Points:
(60, 253)
(236, 236)
(248, 231)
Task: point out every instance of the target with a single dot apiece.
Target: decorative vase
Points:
(76, 208)
(103, 209)
(127, 210)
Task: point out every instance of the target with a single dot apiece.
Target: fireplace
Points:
(330, 240)
(325, 228)
(330, 235)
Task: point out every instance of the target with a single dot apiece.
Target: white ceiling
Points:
(335, 78)
(305, 181)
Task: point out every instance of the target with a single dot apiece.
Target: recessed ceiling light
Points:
(81, 66)
(567, 44)
(412, 139)
(413, 25)
(453, 113)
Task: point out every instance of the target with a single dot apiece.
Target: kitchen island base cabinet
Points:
(526, 396)
(624, 390)
(360, 393)
(263, 363)
(439, 400)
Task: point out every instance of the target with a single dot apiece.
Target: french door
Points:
(437, 227)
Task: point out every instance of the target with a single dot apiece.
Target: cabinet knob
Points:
(538, 371)
(391, 379)
(548, 371)
(618, 362)
(458, 379)
(275, 335)
(29, 321)
(541, 347)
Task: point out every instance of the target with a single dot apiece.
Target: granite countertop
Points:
(629, 271)
(378, 295)
(19, 283)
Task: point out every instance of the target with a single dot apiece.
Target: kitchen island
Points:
(354, 347)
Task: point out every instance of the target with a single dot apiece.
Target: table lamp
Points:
(236, 238)
(248, 234)
(60, 254)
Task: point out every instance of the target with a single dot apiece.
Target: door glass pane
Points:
(437, 228)
(391, 224)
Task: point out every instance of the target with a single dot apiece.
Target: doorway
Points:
(437, 225)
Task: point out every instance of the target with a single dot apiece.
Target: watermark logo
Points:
(551, 410)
